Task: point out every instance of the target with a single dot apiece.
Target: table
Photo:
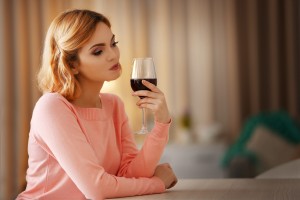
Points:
(229, 189)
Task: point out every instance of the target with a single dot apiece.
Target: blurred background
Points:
(229, 70)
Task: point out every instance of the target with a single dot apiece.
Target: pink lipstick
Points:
(115, 67)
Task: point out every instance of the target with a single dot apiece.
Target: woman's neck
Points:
(89, 97)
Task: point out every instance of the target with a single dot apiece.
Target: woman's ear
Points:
(75, 71)
(74, 68)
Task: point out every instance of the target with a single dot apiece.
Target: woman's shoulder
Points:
(52, 101)
(50, 106)
(52, 97)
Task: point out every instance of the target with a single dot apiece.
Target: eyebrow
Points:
(102, 44)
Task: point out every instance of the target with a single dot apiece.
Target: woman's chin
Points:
(114, 78)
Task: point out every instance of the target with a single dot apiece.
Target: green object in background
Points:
(279, 122)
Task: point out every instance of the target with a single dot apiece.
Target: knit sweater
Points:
(89, 153)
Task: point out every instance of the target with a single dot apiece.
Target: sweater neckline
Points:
(92, 114)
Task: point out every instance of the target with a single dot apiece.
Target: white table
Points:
(229, 189)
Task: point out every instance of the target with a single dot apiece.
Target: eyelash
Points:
(97, 53)
(115, 44)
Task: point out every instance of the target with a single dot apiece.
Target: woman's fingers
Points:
(153, 90)
(166, 174)
(151, 86)
(155, 101)
(149, 102)
(173, 184)
(145, 93)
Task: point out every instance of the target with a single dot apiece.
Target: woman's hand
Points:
(166, 174)
(155, 101)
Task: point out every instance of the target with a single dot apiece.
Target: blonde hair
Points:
(67, 33)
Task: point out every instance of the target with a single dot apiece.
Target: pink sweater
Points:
(89, 153)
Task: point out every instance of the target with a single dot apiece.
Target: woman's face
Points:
(99, 57)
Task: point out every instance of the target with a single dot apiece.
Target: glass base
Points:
(142, 131)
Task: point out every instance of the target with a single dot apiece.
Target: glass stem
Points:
(144, 125)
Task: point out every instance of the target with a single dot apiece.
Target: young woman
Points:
(80, 143)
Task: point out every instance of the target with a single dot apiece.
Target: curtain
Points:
(218, 62)
(268, 57)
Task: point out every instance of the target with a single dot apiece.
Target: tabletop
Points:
(231, 189)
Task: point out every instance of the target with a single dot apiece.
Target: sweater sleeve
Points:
(57, 130)
(142, 163)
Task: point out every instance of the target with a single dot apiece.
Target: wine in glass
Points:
(142, 69)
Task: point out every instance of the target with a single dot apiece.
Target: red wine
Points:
(136, 84)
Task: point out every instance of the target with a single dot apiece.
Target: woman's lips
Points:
(115, 67)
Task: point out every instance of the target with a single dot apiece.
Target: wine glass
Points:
(142, 69)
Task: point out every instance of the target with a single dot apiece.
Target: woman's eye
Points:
(97, 53)
(114, 44)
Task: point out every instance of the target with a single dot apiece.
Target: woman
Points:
(80, 144)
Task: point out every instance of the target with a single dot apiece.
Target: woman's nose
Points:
(112, 54)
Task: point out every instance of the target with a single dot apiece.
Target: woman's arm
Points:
(134, 162)
(142, 163)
